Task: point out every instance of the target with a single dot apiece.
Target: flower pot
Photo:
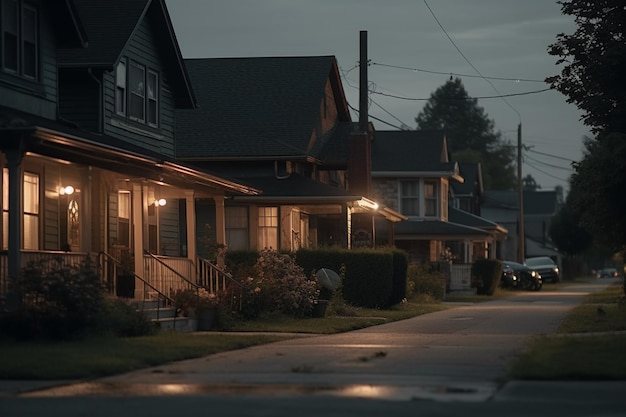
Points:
(319, 308)
(206, 319)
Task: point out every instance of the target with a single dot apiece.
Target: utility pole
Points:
(520, 186)
(363, 96)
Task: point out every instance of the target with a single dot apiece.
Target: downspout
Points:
(100, 105)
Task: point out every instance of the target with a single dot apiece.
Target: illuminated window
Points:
(31, 211)
(268, 228)
(123, 218)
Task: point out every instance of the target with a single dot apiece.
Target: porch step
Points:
(164, 317)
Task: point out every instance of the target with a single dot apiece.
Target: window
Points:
(268, 228)
(137, 102)
(5, 208)
(237, 227)
(137, 92)
(430, 199)
(152, 110)
(19, 43)
(31, 211)
(120, 89)
(409, 198)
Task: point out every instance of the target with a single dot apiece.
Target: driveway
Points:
(457, 356)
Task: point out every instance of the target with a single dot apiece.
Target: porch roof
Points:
(299, 190)
(28, 133)
(437, 230)
(472, 220)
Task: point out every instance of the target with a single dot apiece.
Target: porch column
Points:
(137, 217)
(220, 226)
(190, 207)
(14, 161)
(85, 211)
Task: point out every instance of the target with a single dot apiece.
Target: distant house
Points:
(502, 207)
(412, 174)
(88, 94)
(282, 125)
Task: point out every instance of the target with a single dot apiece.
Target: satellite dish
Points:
(328, 279)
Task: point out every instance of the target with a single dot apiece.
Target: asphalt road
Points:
(448, 363)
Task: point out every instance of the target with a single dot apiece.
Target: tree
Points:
(530, 184)
(597, 190)
(595, 62)
(566, 232)
(470, 133)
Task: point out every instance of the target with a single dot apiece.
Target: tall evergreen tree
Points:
(470, 133)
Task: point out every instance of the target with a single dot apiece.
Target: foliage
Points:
(595, 62)
(598, 190)
(566, 232)
(122, 319)
(486, 275)
(425, 284)
(208, 242)
(190, 302)
(470, 133)
(57, 300)
(278, 284)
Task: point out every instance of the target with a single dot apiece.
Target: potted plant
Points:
(197, 304)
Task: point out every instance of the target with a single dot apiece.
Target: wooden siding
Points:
(51, 209)
(143, 49)
(112, 222)
(169, 238)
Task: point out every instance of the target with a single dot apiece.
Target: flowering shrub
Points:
(190, 302)
(279, 285)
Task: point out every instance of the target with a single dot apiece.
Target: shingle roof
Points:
(426, 229)
(469, 219)
(410, 150)
(108, 24)
(254, 107)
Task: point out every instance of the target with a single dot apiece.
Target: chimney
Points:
(360, 154)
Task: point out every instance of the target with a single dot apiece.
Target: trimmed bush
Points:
(425, 283)
(486, 275)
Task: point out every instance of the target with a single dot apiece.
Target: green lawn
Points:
(589, 344)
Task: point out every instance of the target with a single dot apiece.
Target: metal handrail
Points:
(102, 256)
(178, 274)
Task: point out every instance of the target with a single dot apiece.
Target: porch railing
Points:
(170, 274)
(460, 277)
(216, 280)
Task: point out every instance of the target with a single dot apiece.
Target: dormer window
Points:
(19, 44)
(137, 92)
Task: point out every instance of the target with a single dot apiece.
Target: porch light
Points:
(67, 190)
(160, 202)
(366, 203)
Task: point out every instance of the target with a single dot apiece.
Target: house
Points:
(467, 195)
(282, 125)
(411, 173)
(502, 207)
(87, 123)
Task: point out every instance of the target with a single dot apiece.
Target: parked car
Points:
(545, 266)
(607, 273)
(516, 275)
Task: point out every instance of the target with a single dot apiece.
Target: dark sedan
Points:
(545, 266)
(516, 275)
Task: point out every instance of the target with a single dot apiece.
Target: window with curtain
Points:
(430, 199)
(409, 198)
(237, 227)
(31, 211)
(123, 218)
(268, 228)
(137, 84)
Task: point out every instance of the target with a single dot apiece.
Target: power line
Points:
(502, 96)
(468, 61)
(388, 112)
(376, 118)
(544, 172)
(551, 156)
(457, 74)
(548, 165)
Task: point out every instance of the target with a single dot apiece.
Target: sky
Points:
(497, 47)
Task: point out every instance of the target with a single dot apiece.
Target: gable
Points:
(260, 107)
(112, 25)
(410, 152)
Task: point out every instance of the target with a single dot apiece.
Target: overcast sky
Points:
(500, 39)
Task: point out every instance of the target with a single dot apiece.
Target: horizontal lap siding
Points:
(169, 239)
(143, 49)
